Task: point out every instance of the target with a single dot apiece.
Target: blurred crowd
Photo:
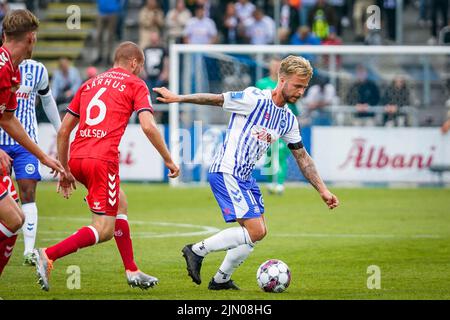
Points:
(301, 22)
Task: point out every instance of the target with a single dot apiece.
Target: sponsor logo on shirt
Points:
(262, 134)
(237, 95)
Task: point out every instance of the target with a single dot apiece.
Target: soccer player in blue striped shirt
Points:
(258, 118)
(34, 82)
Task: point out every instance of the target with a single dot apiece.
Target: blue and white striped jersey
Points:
(34, 81)
(256, 122)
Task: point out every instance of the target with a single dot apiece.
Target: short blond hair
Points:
(19, 22)
(296, 65)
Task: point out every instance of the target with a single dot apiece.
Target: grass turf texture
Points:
(406, 232)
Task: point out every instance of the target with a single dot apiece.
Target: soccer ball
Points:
(273, 276)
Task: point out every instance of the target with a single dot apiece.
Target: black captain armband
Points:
(43, 92)
(295, 146)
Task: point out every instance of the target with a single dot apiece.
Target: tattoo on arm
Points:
(204, 99)
(308, 168)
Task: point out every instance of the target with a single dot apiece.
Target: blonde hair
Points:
(296, 65)
(19, 22)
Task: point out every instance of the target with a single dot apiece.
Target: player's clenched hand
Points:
(66, 184)
(330, 199)
(167, 96)
(5, 161)
(53, 164)
(174, 170)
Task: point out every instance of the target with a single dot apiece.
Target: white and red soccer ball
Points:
(273, 276)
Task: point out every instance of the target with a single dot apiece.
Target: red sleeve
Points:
(5, 85)
(141, 100)
(74, 106)
(11, 106)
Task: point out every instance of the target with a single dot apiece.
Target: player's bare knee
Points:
(257, 234)
(17, 221)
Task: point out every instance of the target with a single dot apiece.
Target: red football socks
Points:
(123, 241)
(85, 237)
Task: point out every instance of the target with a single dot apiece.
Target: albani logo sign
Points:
(355, 154)
(363, 154)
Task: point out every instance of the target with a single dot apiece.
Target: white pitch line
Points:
(356, 235)
(204, 230)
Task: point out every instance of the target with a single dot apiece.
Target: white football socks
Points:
(30, 226)
(224, 240)
(234, 258)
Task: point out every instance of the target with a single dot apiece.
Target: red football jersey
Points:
(104, 105)
(9, 82)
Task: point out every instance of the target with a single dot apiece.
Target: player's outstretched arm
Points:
(14, 128)
(67, 182)
(208, 99)
(308, 168)
(151, 130)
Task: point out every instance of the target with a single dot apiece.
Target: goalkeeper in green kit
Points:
(276, 168)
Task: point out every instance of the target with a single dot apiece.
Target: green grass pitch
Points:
(405, 232)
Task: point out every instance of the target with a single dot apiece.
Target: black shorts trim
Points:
(99, 213)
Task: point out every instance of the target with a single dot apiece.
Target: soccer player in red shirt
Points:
(102, 108)
(19, 37)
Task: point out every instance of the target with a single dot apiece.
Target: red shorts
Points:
(7, 186)
(101, 178)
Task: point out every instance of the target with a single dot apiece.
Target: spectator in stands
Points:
(304, 37)
(318, 99)
(332, 40)
(156, 64)
(305, 8)
(424, 16)
(321, 18)
(244, 11)
(121, 19)
(4, 8)
(363, 94)
(289, 21)
(261, 29)
(65, 82)
(389, 10)
(397, 95)
(176, 20)
(108, 12)
(341, 11)
(359, 18)
(151, 19)
(200, 29)
(229, 26)
(438, 7)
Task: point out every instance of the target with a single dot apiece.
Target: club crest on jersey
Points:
(237, 95)
(282, 124)
(29, 76)
(30, 168)
(262, 134)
